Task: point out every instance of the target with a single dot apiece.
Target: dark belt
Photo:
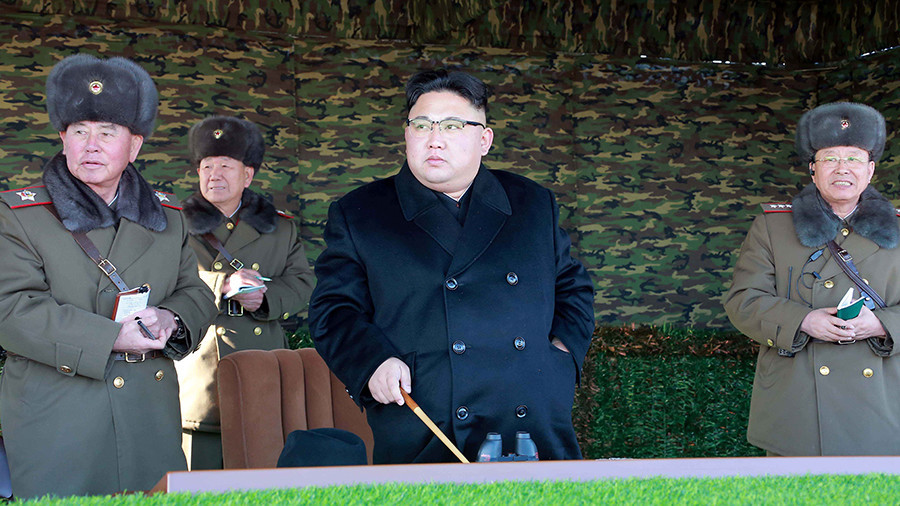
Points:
(133, 358)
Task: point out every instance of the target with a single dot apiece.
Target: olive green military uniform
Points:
(76, 420)
(267, 242)
(812, 397)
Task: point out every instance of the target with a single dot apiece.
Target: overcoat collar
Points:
(488, 210)
(82, 210)
(816, 224)
(203, 217)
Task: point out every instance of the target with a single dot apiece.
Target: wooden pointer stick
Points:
(437, 432)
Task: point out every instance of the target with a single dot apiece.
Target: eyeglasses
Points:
(831, 162)
(422, 127)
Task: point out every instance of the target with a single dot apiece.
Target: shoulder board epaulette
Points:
(168, 199)
(284, 215)
(777, 207)
(25, 197)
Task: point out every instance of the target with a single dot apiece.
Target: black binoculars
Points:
(491, 450)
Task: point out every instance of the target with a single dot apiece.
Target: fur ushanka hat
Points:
(226, 136)
(82, 87)
(841, 124)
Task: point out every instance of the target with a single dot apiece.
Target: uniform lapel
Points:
(242, 235)
(130, 243)
(488, 211)
(860, 248)
(421, 206)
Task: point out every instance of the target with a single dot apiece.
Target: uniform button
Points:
(65, 369)
(459, 347)
(519, 343)
(257, 330)
(229, 225)
(451, 284)
(255, 266)
(868, 372)
(217, 266)
(220, 331)
(824, 370)
(511, 278)
(159, 375)
(829, 284)
(521, 410)
(286, 315)
(462, 412)
(770, 342)
(845, 232)
(119, 382)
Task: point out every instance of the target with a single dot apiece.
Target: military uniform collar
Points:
(82, 210)
(203, 217)
(816, 224)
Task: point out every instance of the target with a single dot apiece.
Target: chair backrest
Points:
(266, 395)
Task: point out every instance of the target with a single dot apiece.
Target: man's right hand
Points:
(388, 379)
(823, 324)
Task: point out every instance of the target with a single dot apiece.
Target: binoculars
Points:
(491, 450)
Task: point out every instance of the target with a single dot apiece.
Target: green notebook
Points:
(848, 308)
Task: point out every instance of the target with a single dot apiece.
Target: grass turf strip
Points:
(822, 489)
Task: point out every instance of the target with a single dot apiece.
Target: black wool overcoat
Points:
(471, 309)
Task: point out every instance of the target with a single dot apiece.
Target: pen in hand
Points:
(144, 329)
(263, 278)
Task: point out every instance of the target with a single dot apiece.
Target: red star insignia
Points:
(96, 87)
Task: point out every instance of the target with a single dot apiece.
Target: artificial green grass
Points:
(819, 490)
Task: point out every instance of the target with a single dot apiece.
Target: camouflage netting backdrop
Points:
(659, 164)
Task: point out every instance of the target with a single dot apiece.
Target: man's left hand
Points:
(867, 325)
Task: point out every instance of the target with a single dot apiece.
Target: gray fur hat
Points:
(226, 136)
(82, 87)
(841, 124)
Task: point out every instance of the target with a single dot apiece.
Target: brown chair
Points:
(266, 395)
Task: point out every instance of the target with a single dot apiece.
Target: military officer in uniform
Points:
(90, 404)
(240, 241)
(824, 385)
(454, 283)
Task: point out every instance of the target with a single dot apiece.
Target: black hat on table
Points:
(322, 447)
(226, 136)
(841, 124)
(82, 87)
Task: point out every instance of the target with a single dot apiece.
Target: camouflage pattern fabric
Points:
(658, 165)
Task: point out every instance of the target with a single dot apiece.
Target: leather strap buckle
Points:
(235, 308)
(107, 267)
(237, 264)
(134, 358)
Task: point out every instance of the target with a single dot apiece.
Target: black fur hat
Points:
(841, 124)
(82, 87)
(225, 136)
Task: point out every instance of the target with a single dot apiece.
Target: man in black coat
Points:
(454, 283)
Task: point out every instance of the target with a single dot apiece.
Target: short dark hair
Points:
(465, 85)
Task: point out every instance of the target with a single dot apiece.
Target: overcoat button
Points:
(829, 284)
(119, 382)
(868, 372)
(65, 369)
(824, 370)
(521, 410)
(159, 375)
(451, 284)
(459, 347)
(462, 412)
(286, 315)
(770, 342)
(229, 225)
(511, 278)
(217, 266)
(255, 266)
(845, 232)
(519, 343)
(220, 331)
(257, 330)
